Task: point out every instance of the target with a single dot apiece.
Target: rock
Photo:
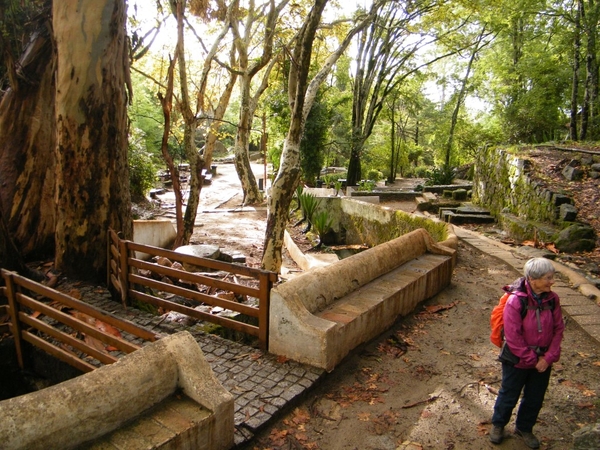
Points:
(572, 173)
(201, 251)
(459, 194)
(576, 238)
(559, 199)
(567, 213)
(596, 167)
(587, 438)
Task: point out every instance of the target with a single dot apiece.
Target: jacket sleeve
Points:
(513, 332)
(553, 353)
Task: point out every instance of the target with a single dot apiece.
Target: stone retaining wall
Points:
(502, 183)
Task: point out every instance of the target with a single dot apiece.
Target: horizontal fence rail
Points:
(29, 300)
(125, 274)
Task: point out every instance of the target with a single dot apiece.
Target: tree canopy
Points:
(391, 88)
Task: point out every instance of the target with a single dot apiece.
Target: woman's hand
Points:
(542, 364)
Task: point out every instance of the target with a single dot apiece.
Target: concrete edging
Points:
(94, 404)
(299, 334)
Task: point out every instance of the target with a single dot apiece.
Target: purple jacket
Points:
(522, 334)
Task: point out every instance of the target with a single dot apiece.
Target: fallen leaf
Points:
(281, 359)
(437, 308)
(364, 416)
(107, 328)
(94, 343)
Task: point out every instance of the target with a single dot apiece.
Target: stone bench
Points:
(161, 396)
(319, 316)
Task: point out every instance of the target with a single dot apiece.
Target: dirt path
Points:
(432, 379)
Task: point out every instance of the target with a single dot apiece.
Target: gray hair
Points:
(536, 268)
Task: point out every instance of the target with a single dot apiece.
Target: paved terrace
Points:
(263, 386)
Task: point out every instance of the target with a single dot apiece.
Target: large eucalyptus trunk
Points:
(27, 163)
(92, 177)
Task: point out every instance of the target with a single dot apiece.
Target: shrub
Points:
(374, 175)
(142, 173)
(440, 176)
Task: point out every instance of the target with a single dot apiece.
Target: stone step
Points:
(457, 219)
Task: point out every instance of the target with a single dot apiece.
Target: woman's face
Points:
(543, 284)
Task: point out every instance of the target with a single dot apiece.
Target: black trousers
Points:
(533, 384)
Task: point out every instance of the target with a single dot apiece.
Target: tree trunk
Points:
(284, 185)
(242, 144)
(575, 79)
(588, 125)
(461, 97)
(27, 163)
(190, 120)
(166, 102)
(92, 178)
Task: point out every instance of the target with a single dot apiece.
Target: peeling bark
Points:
(27, 162)
(92, 178)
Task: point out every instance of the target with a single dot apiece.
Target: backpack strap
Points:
(546, 307)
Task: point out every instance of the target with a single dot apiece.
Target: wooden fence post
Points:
(124, 270)
(14, 315)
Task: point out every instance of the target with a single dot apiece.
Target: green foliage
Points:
(440, 176)
(374, 175)
(366, 185)
(309, 204)
(338, 187)
(331, 178)
(421, 172)
(321, 223)
(297, 196)
(142, 172)
(312, 155)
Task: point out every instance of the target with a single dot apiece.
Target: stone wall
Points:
(502, 184)
(370, 224)
(525, 208)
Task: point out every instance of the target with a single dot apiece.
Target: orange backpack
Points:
(497, 319)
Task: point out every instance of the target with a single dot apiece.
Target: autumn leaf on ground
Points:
(83, 317)
(281, 359)
(438, 308)
(475, 357)
(95, 343)
(583, 389)
(301, 416)
(384, 422)
(364, 416)
(278, 437)
(107, 328)
(483, 429)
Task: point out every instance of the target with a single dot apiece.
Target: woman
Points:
(535, 339)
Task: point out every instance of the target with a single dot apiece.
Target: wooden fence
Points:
(124, 270)
(28, 301)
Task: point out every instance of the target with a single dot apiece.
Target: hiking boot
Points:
(496, 434)
(529, 438)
